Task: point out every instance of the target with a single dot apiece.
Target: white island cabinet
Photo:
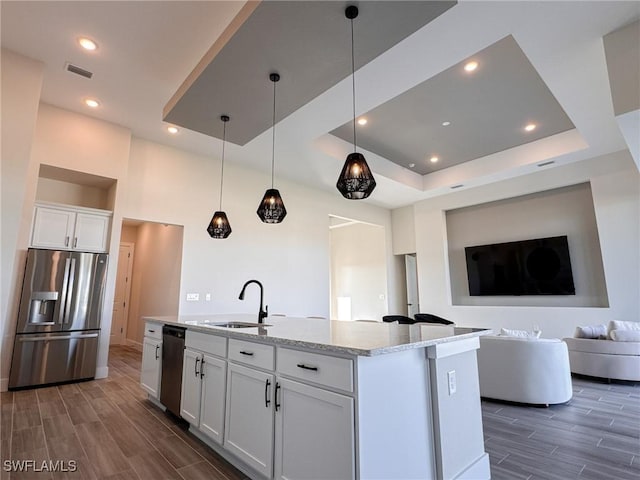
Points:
(314, 423)
(204, 373)
(151, 359)
(336, 400)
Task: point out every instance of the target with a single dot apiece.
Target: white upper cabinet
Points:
(64, 228)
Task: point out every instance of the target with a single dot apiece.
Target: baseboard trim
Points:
(4, 384)
(102, 372)
(134, 344)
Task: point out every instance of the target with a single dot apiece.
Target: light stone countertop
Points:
(355, 338)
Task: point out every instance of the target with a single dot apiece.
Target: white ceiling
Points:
(147, 49)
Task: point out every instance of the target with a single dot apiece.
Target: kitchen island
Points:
(319, 399)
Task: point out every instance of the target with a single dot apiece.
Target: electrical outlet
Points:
(451, 377)
(207, 297)
(193, 297)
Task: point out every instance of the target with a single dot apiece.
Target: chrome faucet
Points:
(261, 313)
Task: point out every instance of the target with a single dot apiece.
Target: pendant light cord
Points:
(353, 89)
(224, 135)
(273, 143)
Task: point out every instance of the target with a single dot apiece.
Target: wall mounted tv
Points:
(529, 267)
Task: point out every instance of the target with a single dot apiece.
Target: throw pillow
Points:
(505, 332)
(621, 325)
(625, 335)
(593, 331)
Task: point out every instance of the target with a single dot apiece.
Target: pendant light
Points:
(356, 180)
(219, 226)
(271, 208)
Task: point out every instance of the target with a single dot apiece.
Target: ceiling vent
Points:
(70, 67)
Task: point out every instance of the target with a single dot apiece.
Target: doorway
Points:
(122, 295)
(411, 269)
(156, 272)
(358, 287)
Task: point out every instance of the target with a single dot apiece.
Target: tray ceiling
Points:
(487, 110)
(308, 43)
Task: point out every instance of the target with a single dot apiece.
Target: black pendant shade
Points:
(356, 180)
(219, 226)
(271, 208)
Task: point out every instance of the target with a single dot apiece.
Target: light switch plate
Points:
(193, 297)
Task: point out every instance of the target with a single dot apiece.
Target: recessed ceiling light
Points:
(362, 121)
(91, 102)
(172, 130)
(434, 159)
(412, 165)
(530, 127)
(446, 124)
(470, 66)
(87, 43)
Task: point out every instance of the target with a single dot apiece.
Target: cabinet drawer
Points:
(321, 369)
(250, 353)
(153, 330)
(205, 342)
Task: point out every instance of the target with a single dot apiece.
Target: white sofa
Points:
(524, 370)
(605, 358)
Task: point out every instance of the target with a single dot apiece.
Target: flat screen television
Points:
(529, 267)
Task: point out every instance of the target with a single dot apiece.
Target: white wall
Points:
(291, 259)
(359, 270)
(616, 198)
(21, 83)
(564, 211)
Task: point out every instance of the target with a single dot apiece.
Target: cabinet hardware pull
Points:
(249, 354)
(157, 347)
(196, 367)
(302, 365)
(202, 368)
(66, 241)
(152, 331)
(75, 242)
(266, 395)
(277, 389)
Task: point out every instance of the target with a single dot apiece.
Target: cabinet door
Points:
(214, 375)
(91, 232)
(248, 429)
(52, 228)
(191, 387)
(151, 364)
(314, 433)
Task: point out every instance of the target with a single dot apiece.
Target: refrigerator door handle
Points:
(31, 338)
(68, 292)
(65, 285)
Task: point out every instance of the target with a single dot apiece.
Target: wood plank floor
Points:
(594, 436)
(109, 428)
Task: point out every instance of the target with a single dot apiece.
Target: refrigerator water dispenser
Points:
(41, 308)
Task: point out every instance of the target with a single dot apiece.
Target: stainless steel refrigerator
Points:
(59, 318)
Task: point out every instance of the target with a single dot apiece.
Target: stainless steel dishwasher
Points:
(172, 356)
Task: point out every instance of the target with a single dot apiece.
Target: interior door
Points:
(122, 294)
(413, 306)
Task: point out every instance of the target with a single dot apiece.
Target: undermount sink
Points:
(237, 324)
